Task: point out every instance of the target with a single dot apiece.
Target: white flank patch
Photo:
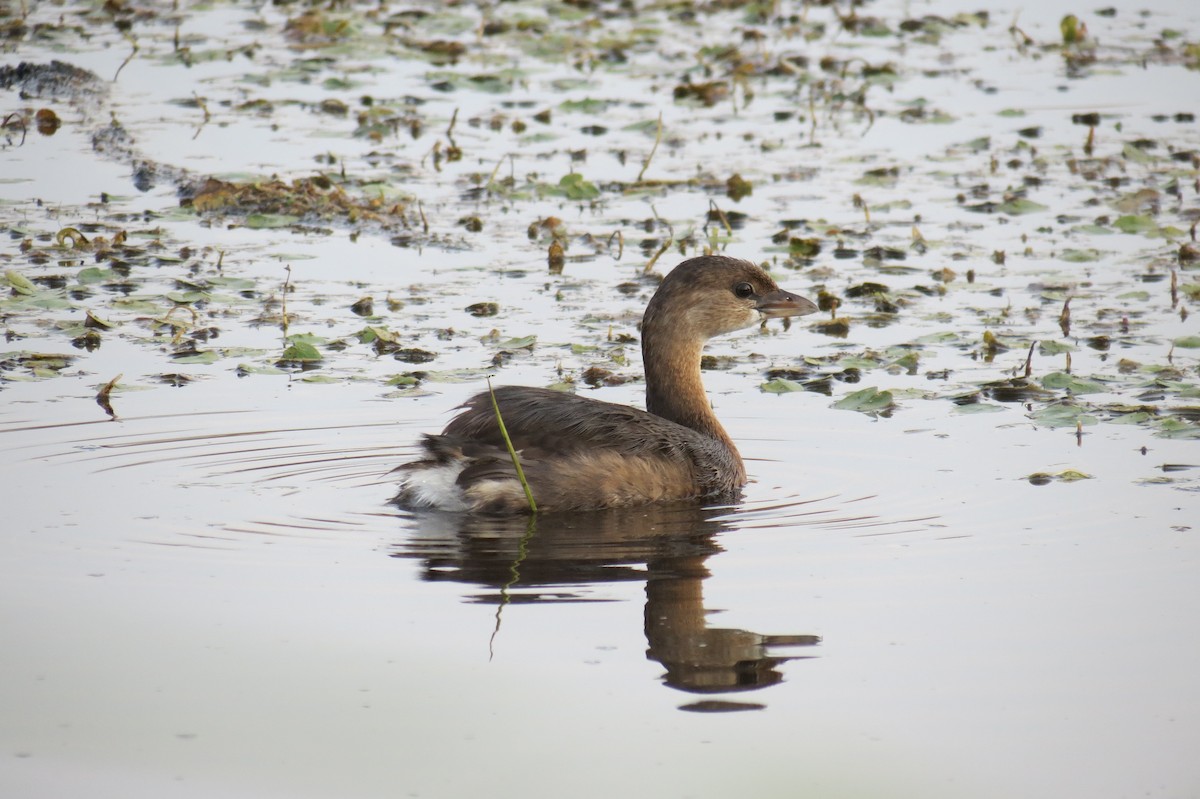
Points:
(435, 487)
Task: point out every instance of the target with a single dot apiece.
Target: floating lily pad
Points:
(1052, 347)
(1020, 206)
(267, 221)
(781, 385)
(867, 400)
(96, 274)
(1061, 381)
(1134, 223)
(1061, 415)
(1079, 256)
(19, 283)
(373, 333)
(1137, 417)
(1176, 428)
(518, 343)
(259, 369)
(1065, 476)
(574, 187)
(197, 357)
(977, 407)
(302, 352)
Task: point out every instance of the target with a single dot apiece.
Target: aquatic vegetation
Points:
(1027, 263)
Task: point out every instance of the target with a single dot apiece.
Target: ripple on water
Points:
(289, 477)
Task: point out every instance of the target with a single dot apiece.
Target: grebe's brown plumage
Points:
(580, 453)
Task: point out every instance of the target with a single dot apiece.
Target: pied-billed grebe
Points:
(580, 453)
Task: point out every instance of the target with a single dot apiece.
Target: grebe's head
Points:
(714, 294)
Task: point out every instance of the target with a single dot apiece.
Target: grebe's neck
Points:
(674, 388)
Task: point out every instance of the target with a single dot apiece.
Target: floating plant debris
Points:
(1026, 261)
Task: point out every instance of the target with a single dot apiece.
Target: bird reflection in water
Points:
(538, 559)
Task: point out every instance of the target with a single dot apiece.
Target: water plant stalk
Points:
(511, 451)
(653, 150)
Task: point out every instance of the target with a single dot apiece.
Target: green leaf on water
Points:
(185, 297)
(142, 304)
(647, 126)
(95, 274)
(1019, 206)
(867, 400)
(1065, 476)
(574, 187)
(372, 333)
(1051, 347)
(780, 385)
(307, 338)
(1135, 223)
(1136, 154)
(1079, 256)
(408, 393)
(858, 362)
(518, 343)
(1134, 295)
(1188, 342)
(41, 364)
(454, 375)
(268, 221)
(1092, 229)
(587, 105)
(301, 351)
(257, 369)
(1062, 416)
(231, 283)
(945, 337)
(908, 361)
(1061, 381)
(91, 320)
(1177, 428)
(1137, 417)
(978, 407)
(20, 283)
(199, 356)
(46, 300)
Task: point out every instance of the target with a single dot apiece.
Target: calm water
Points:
(209, 595)
(206, 604)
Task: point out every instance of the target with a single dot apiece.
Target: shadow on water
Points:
(666, 547)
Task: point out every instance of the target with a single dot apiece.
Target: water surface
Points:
(977, 585)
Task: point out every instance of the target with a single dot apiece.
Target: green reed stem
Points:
(511, 451)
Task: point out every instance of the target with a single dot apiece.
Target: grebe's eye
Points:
(743, 291)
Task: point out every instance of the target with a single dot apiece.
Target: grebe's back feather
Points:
(580, 453)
